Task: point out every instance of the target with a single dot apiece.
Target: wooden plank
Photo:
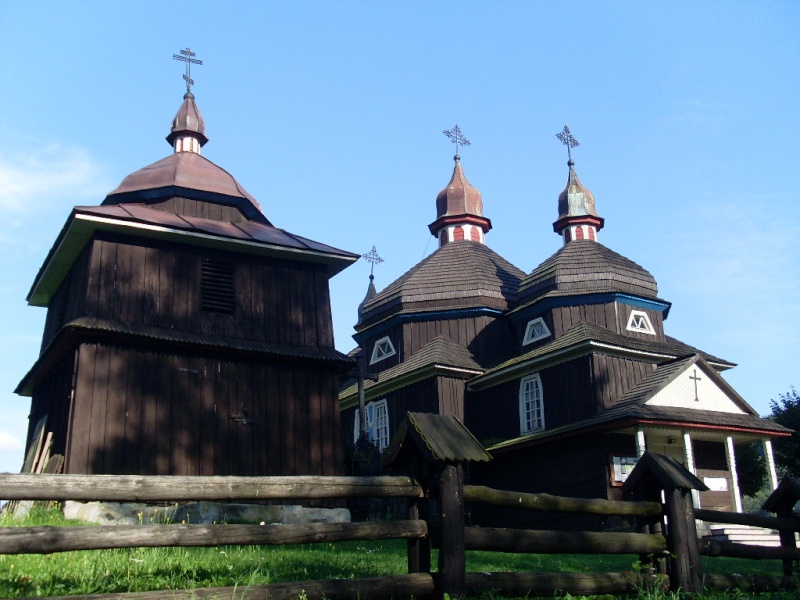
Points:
(119, 363)
(138, 374)
(549, 503)
(316, 431)
(322, 309)
(151, 299)
(140, 488)
(562, 542)
(135, 288)
(206, 416)
(299, 400)
(162, 433)
(34, 446)
(167, 296)
(97, 421)
(47, 539)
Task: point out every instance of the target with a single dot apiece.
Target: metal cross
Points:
(456, 137)
(373, 258)
(566, 138)
(186, 56)
(695, 378)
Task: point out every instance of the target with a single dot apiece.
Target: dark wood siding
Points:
(613, 376)
(139, 412)
(159, 285)
(562, 319)
(575, 467)
(420, 396)
(493, 414)
(656, 320)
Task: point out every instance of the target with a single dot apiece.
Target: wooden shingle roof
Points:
(460, 274)
(438, 438)
(584, 333)
(440, 354)
(587, 266)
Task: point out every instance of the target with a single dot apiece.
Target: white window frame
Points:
(531, 404)
(382, 349)
(377, 423)
(639, 322)
(530, 331)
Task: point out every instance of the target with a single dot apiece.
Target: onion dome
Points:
(459, 211)
(188, 128)
(586, 267)
(577, 217)
(185, 173)
(371, 292)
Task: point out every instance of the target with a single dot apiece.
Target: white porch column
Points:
(640, 446)
(737, 497)
(688, 457)
(773, 474)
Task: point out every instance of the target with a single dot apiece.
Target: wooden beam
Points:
(562, 542)
(138, 488)
(546, 584)
(46, 539)
(546, 502)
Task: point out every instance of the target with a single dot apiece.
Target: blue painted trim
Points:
(421, 317)
(558, 302)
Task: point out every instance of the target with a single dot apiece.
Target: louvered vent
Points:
(216, 288)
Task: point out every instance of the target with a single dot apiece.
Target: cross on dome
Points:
(457, 138)
(186, 57)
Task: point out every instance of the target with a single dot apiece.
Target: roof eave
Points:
(80, 228)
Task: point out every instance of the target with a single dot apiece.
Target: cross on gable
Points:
(695, 378)
(186, 57)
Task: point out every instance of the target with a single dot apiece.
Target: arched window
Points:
(458, 233)
(377, 424)
(579, 233)
(531, 404)
(475, 235)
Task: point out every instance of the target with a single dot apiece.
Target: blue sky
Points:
(331, 115)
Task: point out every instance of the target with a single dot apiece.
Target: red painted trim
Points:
(441, 222)
(565, 222)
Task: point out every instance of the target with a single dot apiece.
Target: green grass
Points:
(142, 569)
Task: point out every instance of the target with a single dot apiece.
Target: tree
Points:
(751, 468)
(786, 412)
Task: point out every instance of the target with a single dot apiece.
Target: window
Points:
(382, 349)
(531, 405)
(536, 330)
(640, 322)
(377, 424)
(216, 286)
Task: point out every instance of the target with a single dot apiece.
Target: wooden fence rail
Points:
(438, 524)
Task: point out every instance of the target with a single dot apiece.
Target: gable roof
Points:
(583, 337)
(458, 274)
(440, 355)
(587, 266)
(667, 372)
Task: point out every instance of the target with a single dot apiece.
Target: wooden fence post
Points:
(781, 502)
(686, 572)
(432, 449)
(654, 474)
(452, 557)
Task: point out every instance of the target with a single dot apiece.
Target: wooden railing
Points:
(435, 520)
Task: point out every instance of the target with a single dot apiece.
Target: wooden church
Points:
(185, 334)
(565, 373)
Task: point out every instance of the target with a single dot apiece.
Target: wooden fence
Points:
(435, 520)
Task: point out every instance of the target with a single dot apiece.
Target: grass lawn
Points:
(141, 569)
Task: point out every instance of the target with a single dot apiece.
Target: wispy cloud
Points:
(29, 179)
(10, 442)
